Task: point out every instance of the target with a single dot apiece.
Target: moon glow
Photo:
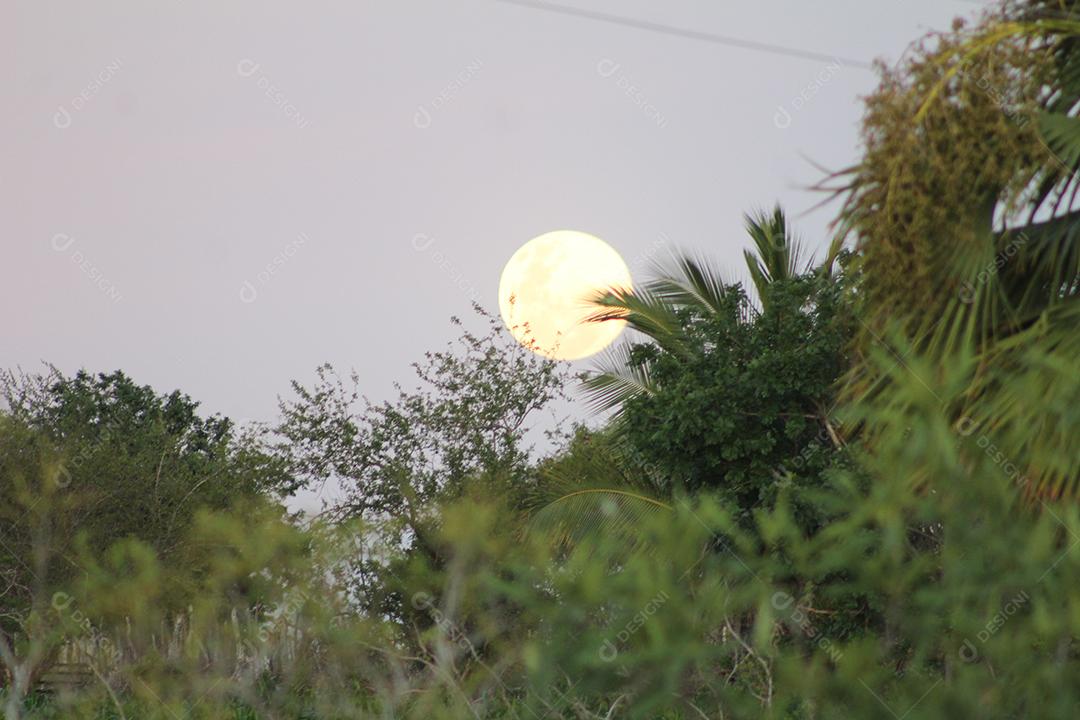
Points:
(544, 292)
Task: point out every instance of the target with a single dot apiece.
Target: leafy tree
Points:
(725, 394)
(87, 461)
(754, 406)
(141, 463)
(464, 429)
(691, 287)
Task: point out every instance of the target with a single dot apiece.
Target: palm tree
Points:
(964, 217)
(612, 498)
(689, 286)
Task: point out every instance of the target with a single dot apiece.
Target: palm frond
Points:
(778, 254)
(608, 515)
(825, 269)
(1025, 402)
(643, 311)
(690, 281)
(616, 379)
(1043, 265)
(1062, 135)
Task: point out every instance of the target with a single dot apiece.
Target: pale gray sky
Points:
(385, 159)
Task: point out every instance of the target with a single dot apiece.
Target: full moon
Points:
(545, 289)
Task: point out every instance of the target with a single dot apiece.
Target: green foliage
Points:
(87, 462)
(777, 255)
(964, 217)
(596, 485)
(464, 430)
(468, 417)
(721, 620)
(924, 590)
(682, 292)
(753, 408)
(691, 285)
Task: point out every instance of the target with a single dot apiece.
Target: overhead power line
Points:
(691, 34)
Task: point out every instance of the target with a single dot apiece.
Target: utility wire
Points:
(691, 34)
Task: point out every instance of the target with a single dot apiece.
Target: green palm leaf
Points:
(644, 311)
(608, 514)
(778, 254)
(1062, 135)
(616, 379)
(690, 281)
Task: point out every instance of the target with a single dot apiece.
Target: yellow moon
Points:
(544, 292)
